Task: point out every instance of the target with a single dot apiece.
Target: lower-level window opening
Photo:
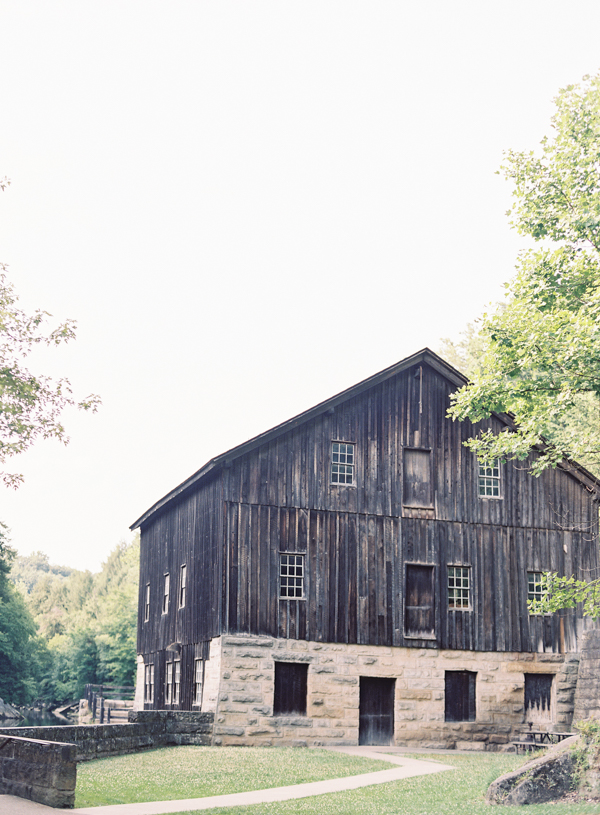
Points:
(177, 682)
(169, 684)
(149, 683)
(460, 696)
(290, 688)
(198, 681)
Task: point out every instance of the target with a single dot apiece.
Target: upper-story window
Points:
(291, 576)
(535, 590)
(342, 463)
(458, 586)
(167, 589)
(147, 603)
(489, 480)
(182, 586)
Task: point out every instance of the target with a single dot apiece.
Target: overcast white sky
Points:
(248, 207)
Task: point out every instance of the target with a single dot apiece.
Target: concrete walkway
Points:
(405, 768)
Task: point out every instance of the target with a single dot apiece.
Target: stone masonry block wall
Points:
(245, 709)
(41, 771)
(587, 695)
(146, 729)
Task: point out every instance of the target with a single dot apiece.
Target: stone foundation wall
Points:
(245, 708)
(587, 696)
(41, 771)
(146, 729)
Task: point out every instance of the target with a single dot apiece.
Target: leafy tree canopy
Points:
(541, 357)
(30, 405)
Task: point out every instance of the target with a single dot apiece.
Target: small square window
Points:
(291, 576)
(535, 590)
(489, 480)
(342, 463)
(458, 586)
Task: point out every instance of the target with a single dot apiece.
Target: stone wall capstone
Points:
(145, 729)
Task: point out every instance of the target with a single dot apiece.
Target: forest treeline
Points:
(61, 628)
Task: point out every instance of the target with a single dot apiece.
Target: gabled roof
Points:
(424, 356)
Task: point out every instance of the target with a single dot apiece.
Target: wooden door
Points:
(419, 603)
(538, 698)
(376, 712)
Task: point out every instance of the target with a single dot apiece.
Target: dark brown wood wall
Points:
(190, 533)
(293, 470)
(357, 539)
(355, 578)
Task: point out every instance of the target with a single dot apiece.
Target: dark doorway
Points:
(419, 608)
(538, 698)
(290, 688)
(460, 696)
(376, 712)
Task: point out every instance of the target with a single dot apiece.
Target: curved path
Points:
(405, 768)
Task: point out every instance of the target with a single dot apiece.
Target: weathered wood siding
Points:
(355, 579)
(357, 539)
(293, 470)
(190, 533)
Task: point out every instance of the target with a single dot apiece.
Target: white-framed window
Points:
(149, 682)
(147, 603)
(182, 585)
(535, 590)
(291, 575)
(489, 480)
(198, 681)
(166, 592)
(177, 682)
(458, 586)
(342, 462)
(169, 683)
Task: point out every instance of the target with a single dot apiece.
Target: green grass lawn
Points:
(458, 792)
(190, 772)
(196, 772)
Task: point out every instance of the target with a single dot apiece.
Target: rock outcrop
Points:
(539, 780)
(8, 711)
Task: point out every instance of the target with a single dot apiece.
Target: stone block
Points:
(470, 745)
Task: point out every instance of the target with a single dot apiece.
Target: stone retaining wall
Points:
(145, 729)
(244, 713)
(42, 771)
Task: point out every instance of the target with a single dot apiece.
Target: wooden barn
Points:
(355, 576)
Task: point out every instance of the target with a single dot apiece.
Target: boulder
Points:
(539, 780)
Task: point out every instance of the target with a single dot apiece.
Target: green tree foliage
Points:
(22, 654)
(86, 622)
(30, 405)
(541, 356)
